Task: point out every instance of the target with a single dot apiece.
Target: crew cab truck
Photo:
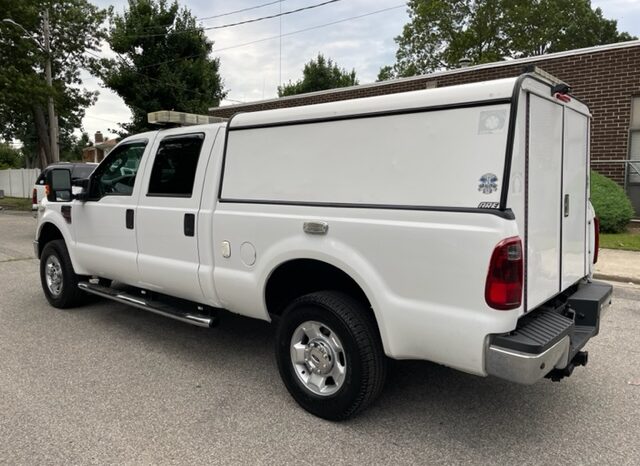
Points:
(451, 225)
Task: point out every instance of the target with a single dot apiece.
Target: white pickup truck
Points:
(451, 225)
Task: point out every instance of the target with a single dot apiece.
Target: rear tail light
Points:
(596, 236)
(503, 290)
(34, 196)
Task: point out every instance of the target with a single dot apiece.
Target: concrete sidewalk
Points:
(618, 265)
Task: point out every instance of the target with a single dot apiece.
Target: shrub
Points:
(611, 203)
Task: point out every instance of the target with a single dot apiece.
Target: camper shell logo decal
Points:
(488, 183)
(489, 205)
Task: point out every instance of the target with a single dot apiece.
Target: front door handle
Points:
(189, 224)
(129, 219)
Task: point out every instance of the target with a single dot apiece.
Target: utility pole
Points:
(53, 120)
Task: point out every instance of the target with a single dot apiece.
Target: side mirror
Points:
(81, 188)
(58, 186)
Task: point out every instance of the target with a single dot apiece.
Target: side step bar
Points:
(157, 307)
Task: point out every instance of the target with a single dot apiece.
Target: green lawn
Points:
(629, 240)
(15, 203)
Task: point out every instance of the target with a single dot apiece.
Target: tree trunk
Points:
(43, 158)
(42, 130)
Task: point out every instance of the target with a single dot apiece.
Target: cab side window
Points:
(174, 168)
(117, 175)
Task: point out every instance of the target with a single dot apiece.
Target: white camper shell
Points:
(451, 225)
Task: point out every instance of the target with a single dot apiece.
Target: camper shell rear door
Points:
(549, 187)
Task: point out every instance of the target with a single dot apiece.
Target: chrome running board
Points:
(157, 307)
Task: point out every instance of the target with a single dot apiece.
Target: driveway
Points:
(110, 384)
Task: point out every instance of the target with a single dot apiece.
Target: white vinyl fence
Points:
(18, 182)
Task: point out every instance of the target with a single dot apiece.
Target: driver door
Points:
(105, 223)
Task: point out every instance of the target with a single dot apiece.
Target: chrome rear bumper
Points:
(548, 341)
(526, 368)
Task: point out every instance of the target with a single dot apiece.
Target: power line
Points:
(239, 23)
(133, 70)
(229, 13)
(241, 10)
(299, 31)
(319, 26)
(103, 119)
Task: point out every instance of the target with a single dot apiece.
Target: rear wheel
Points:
(330, 355)
(59, 281)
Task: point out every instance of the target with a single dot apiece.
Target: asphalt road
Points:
(110, 384)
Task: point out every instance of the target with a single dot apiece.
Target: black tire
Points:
(69, 294)
(366, 363)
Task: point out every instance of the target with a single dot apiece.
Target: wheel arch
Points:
(296, 277)
(48, 232)
(53, 227)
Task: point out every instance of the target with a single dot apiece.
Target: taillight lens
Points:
(596, 236)
(34, 196)
(503, 290)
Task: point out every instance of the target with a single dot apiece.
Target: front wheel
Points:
(59, 281)
(329, 354)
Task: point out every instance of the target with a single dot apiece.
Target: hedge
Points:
(611, 203)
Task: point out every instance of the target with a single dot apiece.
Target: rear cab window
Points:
(175, 165)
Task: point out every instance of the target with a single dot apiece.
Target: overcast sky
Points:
(253, 72)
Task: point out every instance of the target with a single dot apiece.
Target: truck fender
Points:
(358, 269)
(54, 217)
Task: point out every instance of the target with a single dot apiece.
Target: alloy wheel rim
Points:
(53, 275)
(318, 358)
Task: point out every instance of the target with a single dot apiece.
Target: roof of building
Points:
(107, 144)
(549, 56)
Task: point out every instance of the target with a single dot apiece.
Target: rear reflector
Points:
(503, 290)
(34, 196)
(596, 236)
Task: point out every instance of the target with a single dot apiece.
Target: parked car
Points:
(78, 171)
(451, 225)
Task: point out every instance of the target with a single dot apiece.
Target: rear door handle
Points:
(129, 219)
(189, 224)
(566, 205)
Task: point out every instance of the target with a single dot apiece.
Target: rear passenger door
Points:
(168, 259)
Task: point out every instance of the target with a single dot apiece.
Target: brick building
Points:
(607, 78)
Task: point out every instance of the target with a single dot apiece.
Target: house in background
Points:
(100, 148)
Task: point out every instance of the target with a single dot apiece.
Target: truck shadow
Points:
(419, 397)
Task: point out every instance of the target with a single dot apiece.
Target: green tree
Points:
(9, 157)
(442, 32)
(75, 29)
(318, 75)
(71, 147)
(163, 62)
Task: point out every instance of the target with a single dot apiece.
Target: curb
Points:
(616, 278)
(24, 213)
